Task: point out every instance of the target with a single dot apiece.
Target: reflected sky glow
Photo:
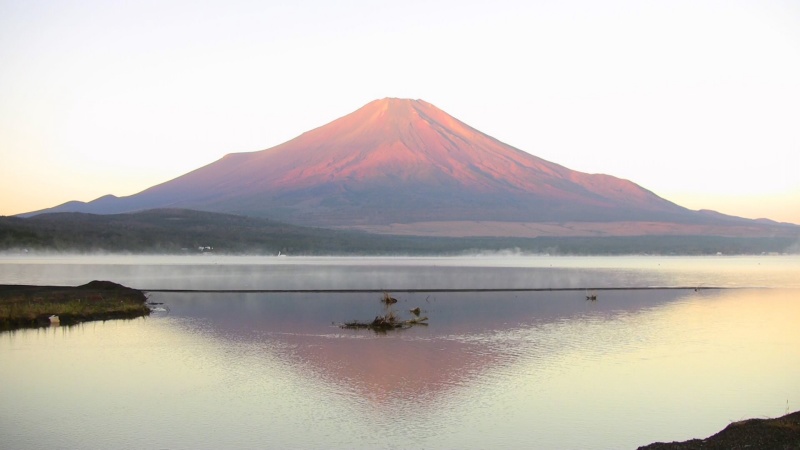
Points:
(493, 369)
(627, 370)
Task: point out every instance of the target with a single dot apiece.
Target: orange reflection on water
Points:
(629, 369)
(702, 362)
(387, 369)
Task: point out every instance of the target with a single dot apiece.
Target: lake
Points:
(527, 362)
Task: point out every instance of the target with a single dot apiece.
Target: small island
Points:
(25, 306)
(389, 320)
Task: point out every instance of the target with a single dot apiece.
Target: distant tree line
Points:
(175, 231)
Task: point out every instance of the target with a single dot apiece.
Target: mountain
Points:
(405, 163)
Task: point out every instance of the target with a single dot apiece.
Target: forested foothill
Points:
(181, 231)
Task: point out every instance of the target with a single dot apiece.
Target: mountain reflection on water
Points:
(492, 370)
(469, 333)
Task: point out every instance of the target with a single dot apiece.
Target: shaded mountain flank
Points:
(405, 164)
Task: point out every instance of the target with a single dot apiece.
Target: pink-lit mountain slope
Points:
(398, 161)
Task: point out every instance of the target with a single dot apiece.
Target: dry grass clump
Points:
(388, 299)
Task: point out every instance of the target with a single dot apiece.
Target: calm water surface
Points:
(492, 369)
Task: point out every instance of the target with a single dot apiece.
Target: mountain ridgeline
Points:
(405, 162)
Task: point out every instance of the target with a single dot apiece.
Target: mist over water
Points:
(510, 369)
(309, 273)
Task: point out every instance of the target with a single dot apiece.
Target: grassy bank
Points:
(24, 306)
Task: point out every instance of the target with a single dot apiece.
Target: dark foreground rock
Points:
(782, 433)
(25, 306)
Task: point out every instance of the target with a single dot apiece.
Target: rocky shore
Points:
(782, 433)
(25, 306)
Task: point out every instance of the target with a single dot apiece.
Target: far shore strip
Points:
(348, 291)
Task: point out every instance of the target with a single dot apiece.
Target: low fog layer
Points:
(212, 272)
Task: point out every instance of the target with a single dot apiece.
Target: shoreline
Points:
(777, 433)
(30, 306)
(444, 290)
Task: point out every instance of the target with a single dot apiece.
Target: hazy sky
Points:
(698, 101)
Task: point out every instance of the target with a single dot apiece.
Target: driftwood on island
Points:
(383, 323)
(388, 321)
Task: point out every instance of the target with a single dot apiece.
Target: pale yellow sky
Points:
(694, 100)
